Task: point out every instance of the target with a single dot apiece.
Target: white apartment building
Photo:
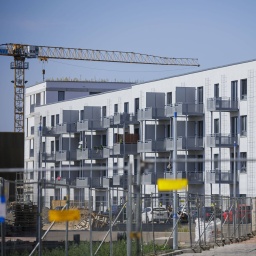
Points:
(216, 116)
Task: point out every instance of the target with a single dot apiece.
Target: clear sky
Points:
(216, 32)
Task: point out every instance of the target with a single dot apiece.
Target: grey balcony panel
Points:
(116, 180)
(127, 149)
(99, 153)
(221, 140)
(82, 154)
(222, 104)
(62, 155)
(61, 182)
(218, 176)
(124, 118)
(62, 128)
(195, 177)
(169, 143)
(151, 146)
(151, 113)
(107, 182)
(146, 179)
(82, 125)
(83, 182)
(49, 131)
(95, 125)
(107, 122)
(189, 109)
(48, 157)
(193, 143)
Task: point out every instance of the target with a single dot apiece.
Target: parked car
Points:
(155, 214)
(243, 213)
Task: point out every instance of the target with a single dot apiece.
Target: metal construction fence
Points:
(201, 220)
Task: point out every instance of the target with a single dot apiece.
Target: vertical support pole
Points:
(234, 191)
(39, 218)
(110, 222)
(129, 212)
(68, 199)
(175, 202)
(235, 174)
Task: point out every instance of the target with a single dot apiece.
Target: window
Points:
(200, 95)
(216, 161)
(234, 90)
(81, 115)
(44, 121)
(169, 98)
(104, 111)
(52, 120)
(52, 146)
(243, 88)
(243, 125)
(200, 128)
(136, 105)
(38, 99)
(116, 108)
(126, 107)
(243, 156)
(61, 95)
(57, 119)
(216, 91)
(216, 126)
(234, 127)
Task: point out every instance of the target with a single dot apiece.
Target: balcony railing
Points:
(65, 155)
(82, 154)
(185, 109)
(222, 104)
(124, 149)
(221, 140)
(189, 143)
(193, 177)
(99, 153)
(49, 131)
(218, 176)
(82, 125)
(48, 157)
(124, 118)
(151, 146)
(151, 113)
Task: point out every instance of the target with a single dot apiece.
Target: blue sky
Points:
(216, 32)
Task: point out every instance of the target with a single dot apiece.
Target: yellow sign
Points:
(64, 215)
(171, 184)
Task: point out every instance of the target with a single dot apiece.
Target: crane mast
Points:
(21, 52)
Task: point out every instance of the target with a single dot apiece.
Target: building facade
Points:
(90, 141)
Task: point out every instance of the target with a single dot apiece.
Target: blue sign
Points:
(2, 209)
(3, 51)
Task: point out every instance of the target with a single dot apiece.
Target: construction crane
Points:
(21, 52)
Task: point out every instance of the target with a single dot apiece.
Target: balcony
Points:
(221, 140)
(218, 176)
(49, 131)
(222, 104)
(124, 118)
(151, 114)
(65, 155)
(185, 109)
(194, 178)
(99, 153)
(82, 126)
(48, 157)
(151, 146)
(124, 149)
(82, 154)
(189, 143)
